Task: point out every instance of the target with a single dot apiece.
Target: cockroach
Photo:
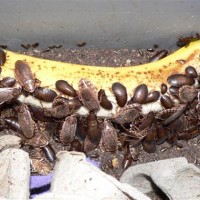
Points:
(88, 95)
(193, 131)
(49, 153)
(149, 142)
(162, 134)
(93, 129)
(104, 102)
(166, 101)
(191, 71)
(152, 96)
(74, 104)
(59, 112)
(76, 146)
(68, 130)
(39, 140)
(39, 113)
(140, 94)
(8, 82)
(179, 80)
(184, 41)
(109, 139)
(35, 45)
(9, 94)
(187, 93)
(24, 76)
(44, 94)
(174, 91)
(64, 109)
(161, 54)
(26, 46)
(120, 93)
(147, 121)
(166, 113)
(81, 44)
(127, 114)
(88, 145)
(26, 122)
(13, 123)
(64, 87)
(163, 88)
(81, 130)
(2, 57)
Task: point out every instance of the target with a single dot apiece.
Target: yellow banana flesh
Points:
(152, 74)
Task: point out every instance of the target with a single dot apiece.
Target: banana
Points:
(152, 74)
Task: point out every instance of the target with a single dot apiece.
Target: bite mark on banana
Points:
(151, 74)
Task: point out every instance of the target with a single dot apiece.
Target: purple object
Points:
(42, 184)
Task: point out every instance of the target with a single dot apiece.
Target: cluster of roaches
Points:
(129, 127)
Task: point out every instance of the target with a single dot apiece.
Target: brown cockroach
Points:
(104, 101)
(179, 111)
(109, 139)
(26, 122)
(166, 101)
(174, 92)
(88, 95)
(39, 113)
(162, 134)
(7, 82)
(147, 121)
(163, 88)
(88, 145)
(191, 71)
(81, 130)
(179, 80)
(159, 55)
(93, 128)
(120, 93)
(59, 112)
(140, 94)
(184, 41)
(13, 123)
(76, 146)
(68, 130)
(64, 87)
(44, 94)
(74, 104)
(49, 153)
(152, 96)
(187, 93)
(39, 140)
(2, 57)
(9, 94)
(24, 76)
(127, 114)
(149, 142)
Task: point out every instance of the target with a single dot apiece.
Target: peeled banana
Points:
(152, 74)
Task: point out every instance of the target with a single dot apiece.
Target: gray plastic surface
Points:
(99, 23)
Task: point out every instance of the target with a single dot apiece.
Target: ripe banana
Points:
(152, 74)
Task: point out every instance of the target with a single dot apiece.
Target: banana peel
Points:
(153, 74)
